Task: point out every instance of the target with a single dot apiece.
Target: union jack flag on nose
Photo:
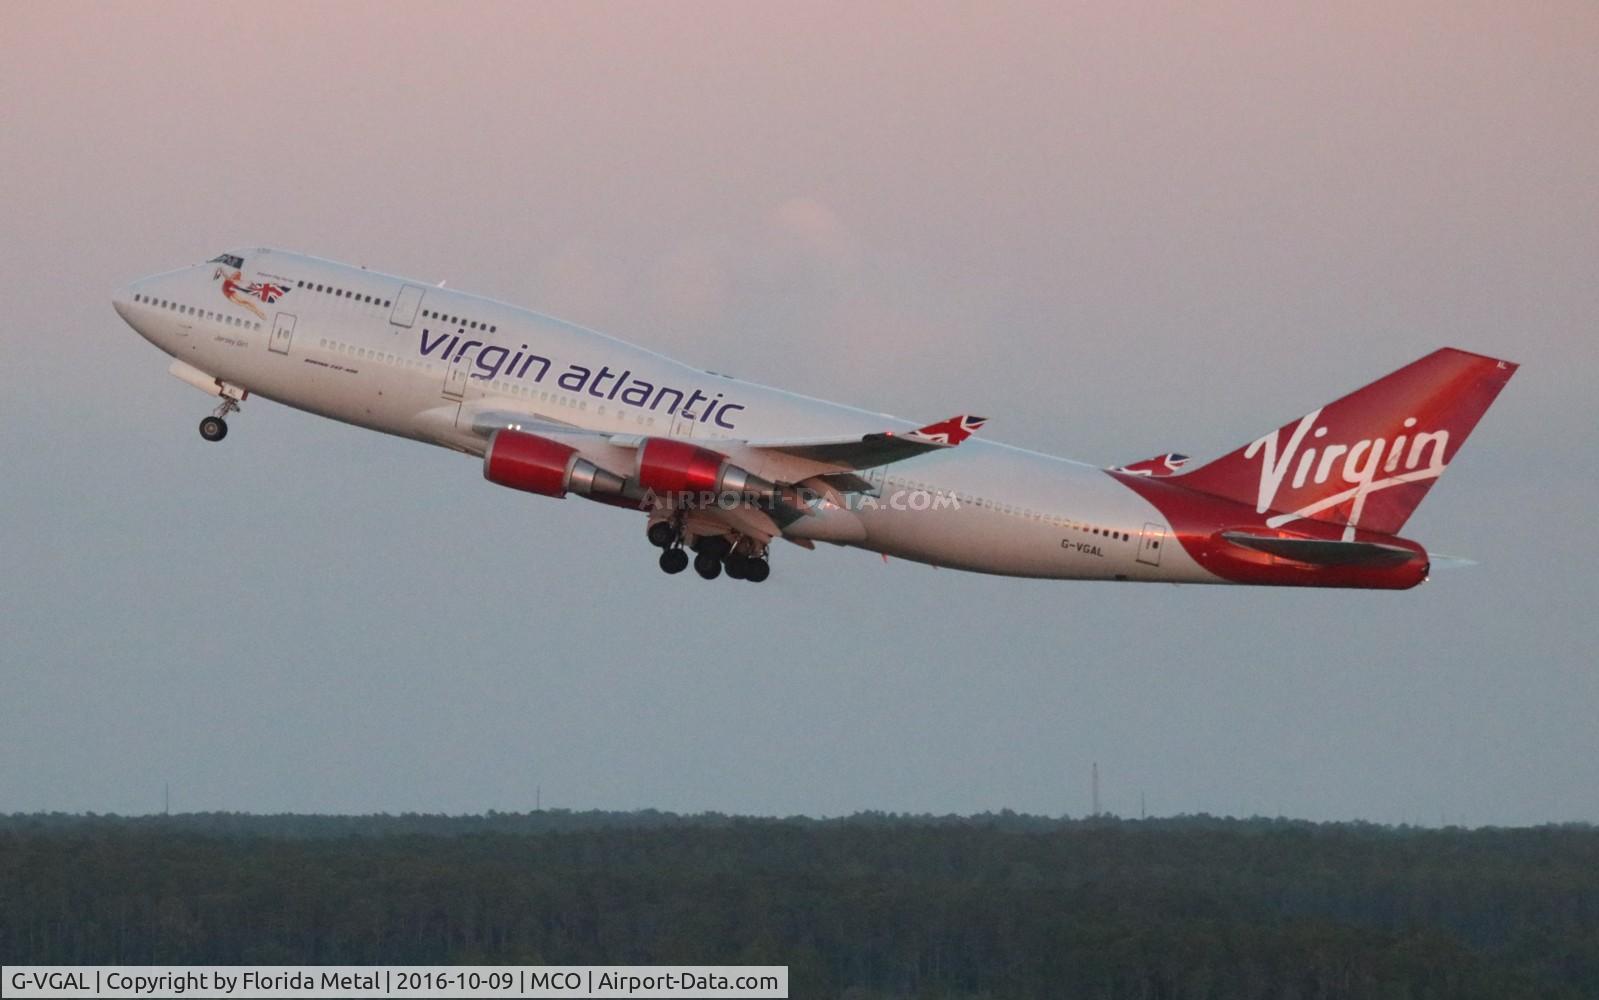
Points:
(266, 291)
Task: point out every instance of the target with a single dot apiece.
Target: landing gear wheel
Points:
(759, 570)
(707, 566)
(737, 566)
(213, 428)
(674, 561)
(661, 534)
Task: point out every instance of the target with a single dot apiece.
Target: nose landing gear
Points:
(215, 427)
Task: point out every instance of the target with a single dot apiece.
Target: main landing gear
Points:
(707, 565)
(214, 427)
(662, 534)
(712, 555)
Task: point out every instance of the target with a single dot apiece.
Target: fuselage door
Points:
(455, 376)
(282, 333)
(405, 306)
(1149, 544)
(683, 424)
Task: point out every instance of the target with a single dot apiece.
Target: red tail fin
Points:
(1368, 459)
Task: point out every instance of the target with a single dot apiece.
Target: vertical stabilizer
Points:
(1368, 459)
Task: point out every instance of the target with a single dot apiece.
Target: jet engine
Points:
(536, 464)
(675, 467)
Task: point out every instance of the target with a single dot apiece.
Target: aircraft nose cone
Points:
(122, 300)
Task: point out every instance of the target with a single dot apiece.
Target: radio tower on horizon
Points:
(1096, 788)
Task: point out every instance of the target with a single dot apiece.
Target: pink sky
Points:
(1115, 229)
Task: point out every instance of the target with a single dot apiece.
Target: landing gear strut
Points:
(214, 427)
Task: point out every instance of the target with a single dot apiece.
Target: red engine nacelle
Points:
(538, 465)
(678, 467)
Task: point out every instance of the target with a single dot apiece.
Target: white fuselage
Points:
(427, 363)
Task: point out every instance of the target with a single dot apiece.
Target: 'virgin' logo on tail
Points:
(1366, 466)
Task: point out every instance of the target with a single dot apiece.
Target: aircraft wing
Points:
(842, 454)
(867, 451)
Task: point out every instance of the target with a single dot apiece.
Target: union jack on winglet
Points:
(952, 431)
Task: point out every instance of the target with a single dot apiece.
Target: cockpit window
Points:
(237, 263)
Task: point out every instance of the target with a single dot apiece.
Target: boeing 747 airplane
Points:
(723, 468)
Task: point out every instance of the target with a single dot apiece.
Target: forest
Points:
(872, 905)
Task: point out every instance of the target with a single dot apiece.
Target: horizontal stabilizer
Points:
(1323, 551)
(1160, 465)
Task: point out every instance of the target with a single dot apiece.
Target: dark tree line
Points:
(874, 905)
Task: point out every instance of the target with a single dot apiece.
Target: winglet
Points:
(950, 432)
(1160, 465)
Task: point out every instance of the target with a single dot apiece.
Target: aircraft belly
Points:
(362, 393)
